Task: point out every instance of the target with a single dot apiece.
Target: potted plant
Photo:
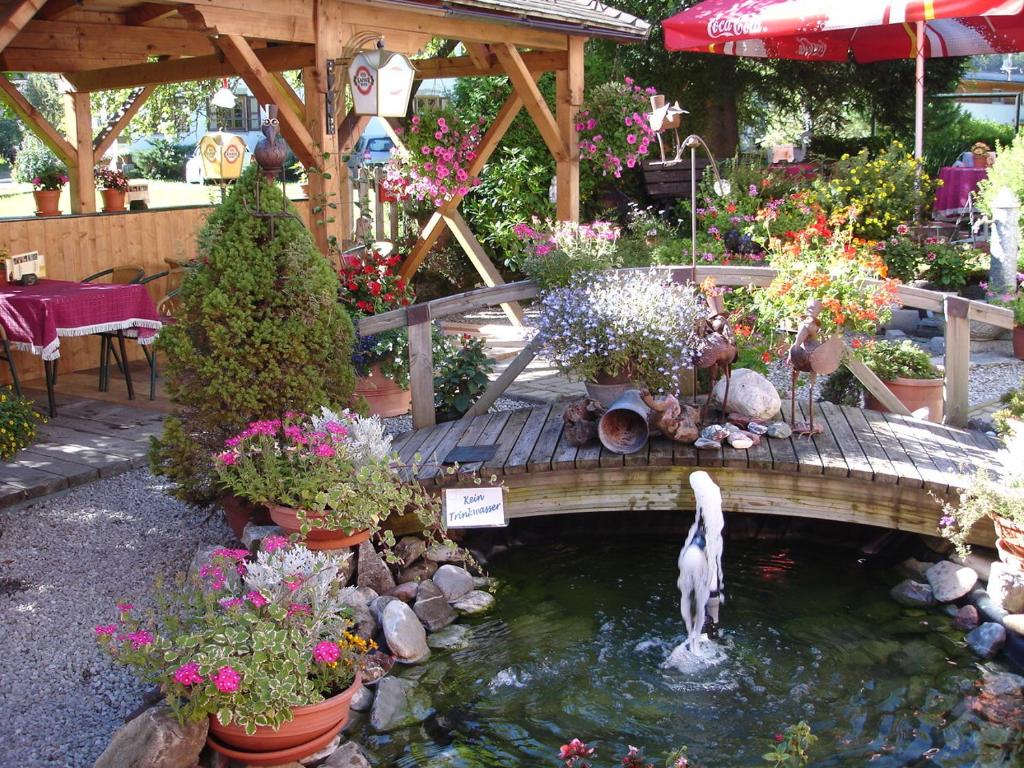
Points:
(622, 329)
(37, 165)
(1001, 500)
(1013, 301)
(370, 285)
(461, 369)
(1009, 420)
(555, 253)
(615, 133)
(262, 648)
(113, 187)
(46, 188)
(328, 477)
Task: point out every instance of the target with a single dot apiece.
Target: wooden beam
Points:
(958, 360)
(533, 100)
(34, 120)
(349, 131)
(78, 118)
(497, 387)
(298, 107)
(92, 39)
(108, 139)
(56, 9)
(14, 17)
(568, 99)
(872, 383)
(257, 24)
(480, 54)
(421, 366)
(14, 59)
(536, 62)
(276, 59)
(481, 262)
(147, 13)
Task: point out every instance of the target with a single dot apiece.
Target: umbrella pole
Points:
(919, 93)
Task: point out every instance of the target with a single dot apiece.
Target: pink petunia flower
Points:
(256, 598)
(227, 679)
(188, 674)
(105, 629)
(140, 639)
(326, 652)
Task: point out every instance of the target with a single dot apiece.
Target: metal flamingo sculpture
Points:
(718, 355)
(808, 355)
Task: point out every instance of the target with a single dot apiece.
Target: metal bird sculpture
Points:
(664, 117)
(808, 355)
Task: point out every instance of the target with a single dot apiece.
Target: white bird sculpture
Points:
(664, 117)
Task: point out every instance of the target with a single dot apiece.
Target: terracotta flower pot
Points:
(310, 729)
(915, 394)
(47, 202)
(238, 512)
(1018, 342)
(1009, 542)
(317, 538)
(113, 200)
(382, 395)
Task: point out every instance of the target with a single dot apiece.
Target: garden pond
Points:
(576, 643)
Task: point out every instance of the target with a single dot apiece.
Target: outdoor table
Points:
(36, 316)
(958, 182)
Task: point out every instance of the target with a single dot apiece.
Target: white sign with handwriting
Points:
(475, 507)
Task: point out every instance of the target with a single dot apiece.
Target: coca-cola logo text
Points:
(727, 26)
(811, 49)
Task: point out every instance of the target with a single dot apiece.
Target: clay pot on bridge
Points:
(606, 389)
(916, 394)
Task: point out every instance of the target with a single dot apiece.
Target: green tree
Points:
(260, 332)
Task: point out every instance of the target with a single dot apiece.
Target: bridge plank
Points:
(760, 456)
(449, 440)
(473, 435)
(413, 440)
(490, 436)
(547, 441)
(684, 455)
(807, 457)
(832, 460)
(907, 473)
(847, 443)
(589, 456)
(907, 435)
(660, 454)
(507, 440)
(885, 471)
(433, 435)
(517, 459)
(565, 454)
(609, 459)
(960, 450)
(784, 456)
(933, 444)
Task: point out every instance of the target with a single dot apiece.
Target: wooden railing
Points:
(958, 313)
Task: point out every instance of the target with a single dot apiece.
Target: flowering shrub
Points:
(335, 470)
(247, 650)
(827, 265)
(52, 178)
(435, 162)
(18, 423)
(460, 374)
(1013, 301)
(107, 178)
(556, 253)
(613, 127)
(635, 323)
(983, 497)
(948, 266)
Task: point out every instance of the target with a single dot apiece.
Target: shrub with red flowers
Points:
(109, 178)
(247, 649)
(439, 148)
(613, 127)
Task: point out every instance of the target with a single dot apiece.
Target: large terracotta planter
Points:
(915, 394)
(47, 202)
(1009, 542)
(1018, 342)
(113, 200)
(318, 538)
(382, 395)
(310, 729)
(238, 512)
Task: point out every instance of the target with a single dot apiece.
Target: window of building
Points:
(245, 116)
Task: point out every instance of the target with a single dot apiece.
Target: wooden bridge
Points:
(887, 470)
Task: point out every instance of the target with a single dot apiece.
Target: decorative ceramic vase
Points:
(1018, 342)
(113, 200)
(1009, 542)
(317, 538)
(382, 395)
(915, 394)
(271, 151)
(47, 202)
(310, 730)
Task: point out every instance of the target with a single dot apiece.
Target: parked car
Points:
(370, 150)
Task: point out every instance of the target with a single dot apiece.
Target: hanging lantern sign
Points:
(381, 83)
(222, 154)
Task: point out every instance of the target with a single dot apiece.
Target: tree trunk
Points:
(722, 132)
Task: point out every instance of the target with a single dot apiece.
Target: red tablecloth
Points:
(957, 183)
(35, 316)
(806, 170)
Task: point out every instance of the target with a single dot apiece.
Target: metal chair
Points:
(123, 274)
(10, 361)
(166, 308)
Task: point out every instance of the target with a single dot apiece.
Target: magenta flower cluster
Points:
(188, 674)
(226, 679)
(614, 131)
(326, 652)
(303, 440)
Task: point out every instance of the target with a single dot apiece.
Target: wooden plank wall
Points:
(78, 246)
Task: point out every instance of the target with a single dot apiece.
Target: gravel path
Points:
(64, 561)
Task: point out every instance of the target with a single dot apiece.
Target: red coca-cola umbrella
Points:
(832, 30)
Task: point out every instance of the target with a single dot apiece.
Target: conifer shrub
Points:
(260, 332)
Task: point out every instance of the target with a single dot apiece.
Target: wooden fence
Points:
(958, 313)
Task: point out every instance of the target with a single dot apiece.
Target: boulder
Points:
(453, 581)
(346, 560)
(1003, 684)
(406, 592)
(1006, 587)
(987, 639)
(913, 593)
(366, 623)
(404, 633)
(750, 394)
(369, 595)
(371, 570)
(154, 739)
(451, 638)
(409, 549)
(476, 601)
(253, 534)
(1014, 622)
(915, 568)
(442, 553)
(418, 571)
(320, 755)
(348, 755)
(431, 607)
(399, 703)
(378, 605)
(950, 581)
(966, 618)
(363, 700)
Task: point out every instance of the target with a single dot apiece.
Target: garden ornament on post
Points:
(269, 154)
(663, 117)
(808, 355)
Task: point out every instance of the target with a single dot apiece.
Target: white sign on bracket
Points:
(477, 507)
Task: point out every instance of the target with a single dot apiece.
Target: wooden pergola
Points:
(126, 44)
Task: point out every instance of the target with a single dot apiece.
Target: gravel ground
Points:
(64, 562)
(396, 425)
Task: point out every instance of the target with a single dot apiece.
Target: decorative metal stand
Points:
(269, 155)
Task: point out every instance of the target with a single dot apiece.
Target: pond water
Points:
(575, 645)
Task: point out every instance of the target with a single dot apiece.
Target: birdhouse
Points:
(381, 83)
(222, 155)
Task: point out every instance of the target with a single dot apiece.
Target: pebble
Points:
(987, 639)
(780, 430)
(704, 443)
(714, 432)
(757, 428)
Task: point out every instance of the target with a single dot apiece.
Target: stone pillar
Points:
(1002, 274)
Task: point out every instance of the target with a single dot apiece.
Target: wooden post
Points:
(15, 16)
(568, 99)
(349, 131)
(872, 383)
(958, 360)
(78, 117)
(421, 366)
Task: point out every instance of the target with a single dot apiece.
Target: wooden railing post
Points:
(421, 366)
(958, 359)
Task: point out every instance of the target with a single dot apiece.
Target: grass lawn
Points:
(16, 199)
